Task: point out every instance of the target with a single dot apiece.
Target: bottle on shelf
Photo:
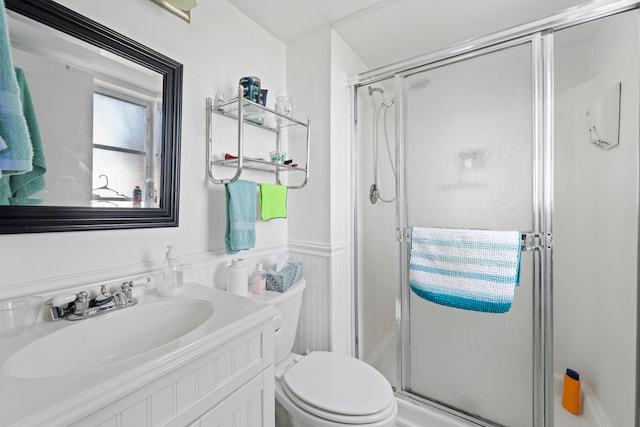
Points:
(284, 105)
(251, 91)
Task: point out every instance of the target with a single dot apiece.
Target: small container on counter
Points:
(259, 280)
(237, 277)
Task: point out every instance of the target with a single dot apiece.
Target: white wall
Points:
(309, 81)
(318, 66)
(595, 243)
(344, 63)
(217, 48)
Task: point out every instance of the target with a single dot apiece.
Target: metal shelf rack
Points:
(272, 121)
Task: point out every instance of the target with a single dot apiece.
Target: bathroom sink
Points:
(85, 345)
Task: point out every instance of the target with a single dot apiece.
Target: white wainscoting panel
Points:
(325, 269)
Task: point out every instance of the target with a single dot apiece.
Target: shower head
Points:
(385, 102)
(375, 89)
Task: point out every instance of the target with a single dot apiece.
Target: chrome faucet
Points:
(80, 306)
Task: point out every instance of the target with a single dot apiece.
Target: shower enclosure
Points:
(533, 130)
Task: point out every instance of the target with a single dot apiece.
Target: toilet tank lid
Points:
(275, 298)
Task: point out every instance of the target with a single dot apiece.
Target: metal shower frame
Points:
(540, 35)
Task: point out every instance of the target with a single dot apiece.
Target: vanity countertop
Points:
(63, 398)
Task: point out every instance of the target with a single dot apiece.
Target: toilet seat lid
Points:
(338, 384)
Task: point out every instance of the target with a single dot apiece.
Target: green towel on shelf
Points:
(25, 185)
(273, 201)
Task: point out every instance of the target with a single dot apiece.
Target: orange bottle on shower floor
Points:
(571, 392)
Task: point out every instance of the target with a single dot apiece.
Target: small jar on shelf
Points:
(284, 105)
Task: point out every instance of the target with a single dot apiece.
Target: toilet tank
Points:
(286, 323)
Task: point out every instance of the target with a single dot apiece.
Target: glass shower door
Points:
(468, 129)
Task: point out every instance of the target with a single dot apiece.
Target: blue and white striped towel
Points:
(469, 269)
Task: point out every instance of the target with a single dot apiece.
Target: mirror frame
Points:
(28, 219)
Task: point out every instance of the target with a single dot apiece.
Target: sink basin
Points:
(110, 338)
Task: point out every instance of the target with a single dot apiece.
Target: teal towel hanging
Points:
(240, 231)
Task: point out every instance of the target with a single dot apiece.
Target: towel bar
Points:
(530, 241)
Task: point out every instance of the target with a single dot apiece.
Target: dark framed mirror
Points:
(102, 171)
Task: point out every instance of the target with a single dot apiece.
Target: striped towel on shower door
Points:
(469, 269)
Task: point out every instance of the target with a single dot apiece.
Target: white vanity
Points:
(204, 358)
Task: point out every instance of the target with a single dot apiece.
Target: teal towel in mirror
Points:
(273, 201)
(15, 150)
(240, 231)
(5, 191)
(25, 185)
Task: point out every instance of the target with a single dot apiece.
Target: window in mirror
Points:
(126, 151)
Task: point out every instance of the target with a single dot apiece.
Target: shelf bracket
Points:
(209, 132)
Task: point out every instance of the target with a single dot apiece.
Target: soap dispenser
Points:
(172, 283)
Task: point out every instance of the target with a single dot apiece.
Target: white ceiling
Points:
(382, 32)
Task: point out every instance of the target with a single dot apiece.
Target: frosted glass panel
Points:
(469, 165)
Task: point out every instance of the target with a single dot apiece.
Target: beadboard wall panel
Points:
(314, 326)
(325, 268)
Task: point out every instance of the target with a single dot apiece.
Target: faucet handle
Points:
(59, 300)
(126, 289)
(128, 285)
(82, 302)
(103, 290)
(55, 303)
(82, 296)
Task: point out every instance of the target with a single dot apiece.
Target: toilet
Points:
(322, 389)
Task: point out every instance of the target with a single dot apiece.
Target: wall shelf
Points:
(245, 112)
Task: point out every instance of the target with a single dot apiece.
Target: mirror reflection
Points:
(95, 123)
